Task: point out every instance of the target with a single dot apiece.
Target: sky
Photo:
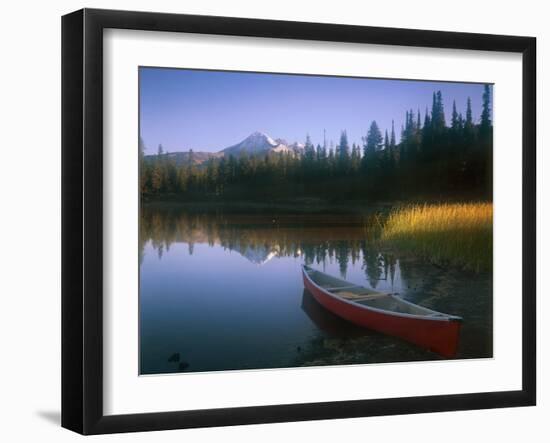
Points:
(210, 110)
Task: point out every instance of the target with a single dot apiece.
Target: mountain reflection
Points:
(317, 238)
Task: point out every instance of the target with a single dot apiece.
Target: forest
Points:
(432, 159)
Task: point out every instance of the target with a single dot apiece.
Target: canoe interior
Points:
(368, 297)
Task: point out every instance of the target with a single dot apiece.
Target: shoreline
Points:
(301, 206)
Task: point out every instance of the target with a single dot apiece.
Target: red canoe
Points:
(385, 313)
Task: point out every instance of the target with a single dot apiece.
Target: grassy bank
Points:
(458, 234)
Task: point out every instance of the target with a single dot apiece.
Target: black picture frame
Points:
(82, 218)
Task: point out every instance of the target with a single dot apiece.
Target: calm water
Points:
(224, 291)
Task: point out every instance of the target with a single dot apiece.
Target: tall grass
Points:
(458, 234)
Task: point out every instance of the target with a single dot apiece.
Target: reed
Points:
(458, 234)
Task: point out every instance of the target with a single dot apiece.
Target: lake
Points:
(223, 290)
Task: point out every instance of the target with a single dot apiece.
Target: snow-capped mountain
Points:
(259, 255)
(257, 143)
(297, 148)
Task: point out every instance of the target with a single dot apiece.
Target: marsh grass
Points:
(457, 234)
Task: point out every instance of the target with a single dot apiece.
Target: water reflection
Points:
(328, 322)
(223, 291)
(319, 239)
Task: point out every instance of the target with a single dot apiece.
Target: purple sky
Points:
(211, 110)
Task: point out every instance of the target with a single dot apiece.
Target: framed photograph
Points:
(269, 221)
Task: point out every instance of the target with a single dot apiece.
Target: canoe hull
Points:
(440, 336)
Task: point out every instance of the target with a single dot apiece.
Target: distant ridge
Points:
(184, 158)
(257, 143)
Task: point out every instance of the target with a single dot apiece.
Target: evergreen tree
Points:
(454, 118)
(373, 141)
(427, 121)
(355, 157)
(469, 125)
(460, 123)
(309, 151)
(438, 113)
(485, 124)
(427, 138)
(343, 152)
(331, 160)
(318, 153)
(469, 119)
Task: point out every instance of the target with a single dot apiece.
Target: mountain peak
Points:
(256, 143)
(258, 134)
(262, 136)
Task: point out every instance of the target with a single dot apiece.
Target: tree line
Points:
(431, 158)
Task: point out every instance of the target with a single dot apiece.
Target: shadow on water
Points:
(328, 323)
(223, 291)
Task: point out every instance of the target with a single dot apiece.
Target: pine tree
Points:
(469, 120)
(454, 118)
(343, 152)
(331, 160)
(355, 157)
(485, 124)
(392, 137)
(469, 134)
(373, 139)
(318, 153)
(441, 109)
(309, 151)
(322, 155)
(438, 114)
(427, 137)
(427, 121)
